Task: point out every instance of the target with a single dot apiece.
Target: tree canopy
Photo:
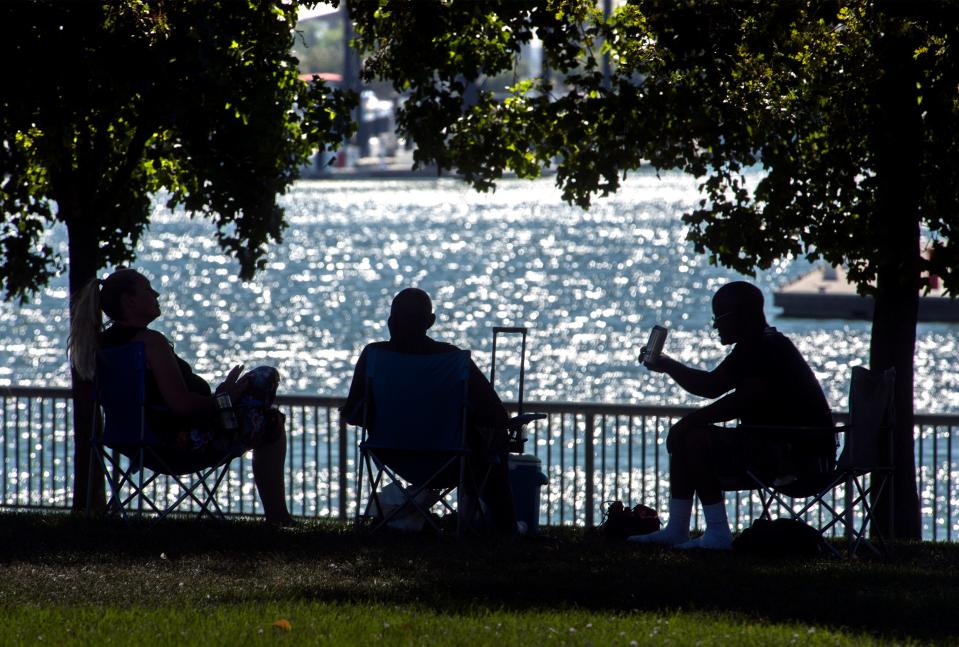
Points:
(711, 87)
(849, 108)
(105, 105)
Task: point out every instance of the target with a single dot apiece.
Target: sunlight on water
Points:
(589, 284)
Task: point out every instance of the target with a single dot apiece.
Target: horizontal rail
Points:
(333, 401)
(36, 391)
(590, 452)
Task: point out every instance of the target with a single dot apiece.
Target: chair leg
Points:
(474, 515)
(117, 478)
(409, 501)
(374, 494)
(423, 510)
(209, 497)
(373, 498)
(855, 494)
(188, 492)
(141, 486)
(885, 483)
(139, 492)
(857, 534)
(463, 501)
(861, 536)
(767, 501)
(359, 487)
(128, 490)
(380, 516)
(216, 486)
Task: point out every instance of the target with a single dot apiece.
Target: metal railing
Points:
(590, 453)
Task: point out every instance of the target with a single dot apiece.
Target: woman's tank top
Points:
(167, 425)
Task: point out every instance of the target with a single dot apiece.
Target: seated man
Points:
(763, 381)
(411, 315)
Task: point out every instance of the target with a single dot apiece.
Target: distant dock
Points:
(825, 293)
(396, 167)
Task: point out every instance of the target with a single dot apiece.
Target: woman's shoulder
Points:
(120, 335)
(153, 341)
(148, 336)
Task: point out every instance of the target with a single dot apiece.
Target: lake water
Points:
(589, 285)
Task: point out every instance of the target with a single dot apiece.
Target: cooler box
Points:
(526, 478)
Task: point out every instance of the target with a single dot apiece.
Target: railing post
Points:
(17, 410)
(342, 469)
(589, 469)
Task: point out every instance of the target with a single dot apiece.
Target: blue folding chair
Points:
(864, 466)
(414, 435)
(863, 469)
(131, 454)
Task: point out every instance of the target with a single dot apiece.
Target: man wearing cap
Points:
(411, 316)
(764, 381)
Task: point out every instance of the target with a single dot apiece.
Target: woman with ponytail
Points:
(181, 408)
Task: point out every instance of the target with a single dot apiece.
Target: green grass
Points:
(323, 622)
(66, 580)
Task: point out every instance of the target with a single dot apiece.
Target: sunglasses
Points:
(717, 318)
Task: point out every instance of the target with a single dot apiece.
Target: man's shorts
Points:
(734, 450)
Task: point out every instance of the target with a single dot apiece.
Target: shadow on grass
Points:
(912, 596)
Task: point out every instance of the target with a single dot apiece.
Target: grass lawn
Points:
(66, 580)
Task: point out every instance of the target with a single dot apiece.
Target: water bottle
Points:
(227, 413)
(654, 346)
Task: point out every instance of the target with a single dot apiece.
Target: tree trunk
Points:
(893, 344)
(83, 251)
(897, 297)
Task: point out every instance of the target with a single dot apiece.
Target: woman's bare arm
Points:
(162, 362)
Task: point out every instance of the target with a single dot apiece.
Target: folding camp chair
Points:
(131, 454)
(414, 435)
(864, 467)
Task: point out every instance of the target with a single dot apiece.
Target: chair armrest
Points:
(518, 421)
(515, 439)
(790, 430)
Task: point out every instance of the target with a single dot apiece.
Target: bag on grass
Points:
(620, 521)
(780, 538)
(391, 497)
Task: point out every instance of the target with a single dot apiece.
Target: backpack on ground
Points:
(780, 538)
(620, 521)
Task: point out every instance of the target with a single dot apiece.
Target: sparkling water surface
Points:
(589, 284)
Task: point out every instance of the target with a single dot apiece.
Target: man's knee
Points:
(687, 440)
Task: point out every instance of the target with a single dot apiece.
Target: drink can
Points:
(654, 346)
(227, 413)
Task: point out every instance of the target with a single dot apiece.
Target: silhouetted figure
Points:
(180, 407)
(763, 381)
(411, 316)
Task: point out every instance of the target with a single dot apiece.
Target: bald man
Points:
(763, 381)
(411, 316)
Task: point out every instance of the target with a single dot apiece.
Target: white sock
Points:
(677, 527)
(717, 535)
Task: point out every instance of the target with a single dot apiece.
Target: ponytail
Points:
(86, 322)
(95, 299)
